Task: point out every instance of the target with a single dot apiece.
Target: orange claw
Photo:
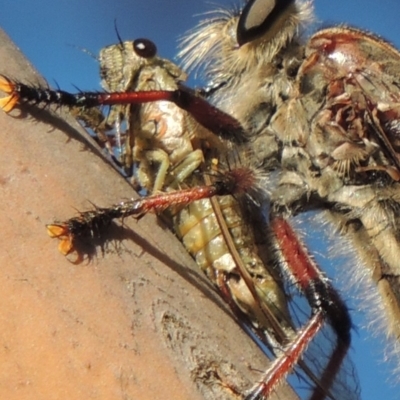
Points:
(6, 85)
(8, 103)
(61, 232)
(57, 231)
(65, 247)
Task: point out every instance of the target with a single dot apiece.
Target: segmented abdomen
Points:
(201, 233)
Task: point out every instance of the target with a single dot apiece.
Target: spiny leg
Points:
(327, 307)
(92, 223)
(203, 112)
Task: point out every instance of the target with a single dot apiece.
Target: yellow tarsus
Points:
(8, 103)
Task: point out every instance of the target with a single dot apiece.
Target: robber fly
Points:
(323, 115)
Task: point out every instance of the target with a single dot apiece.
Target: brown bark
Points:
(138, 321)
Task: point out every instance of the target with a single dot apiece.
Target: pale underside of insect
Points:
(321, 118)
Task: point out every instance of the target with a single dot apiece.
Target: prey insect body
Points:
(322, 117)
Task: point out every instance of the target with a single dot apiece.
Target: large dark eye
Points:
(144, 48)
(257, 17)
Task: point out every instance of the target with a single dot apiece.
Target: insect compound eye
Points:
(144, 48)
(257, 17)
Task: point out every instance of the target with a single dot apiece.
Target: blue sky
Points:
(51, 33)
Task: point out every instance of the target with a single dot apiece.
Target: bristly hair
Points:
(211, 48)
(251, 181)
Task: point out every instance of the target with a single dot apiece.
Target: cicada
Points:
(319, 118)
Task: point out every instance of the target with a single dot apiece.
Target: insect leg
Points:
(92, 223)
(327, 306)
(203, 112)
(90, 116)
